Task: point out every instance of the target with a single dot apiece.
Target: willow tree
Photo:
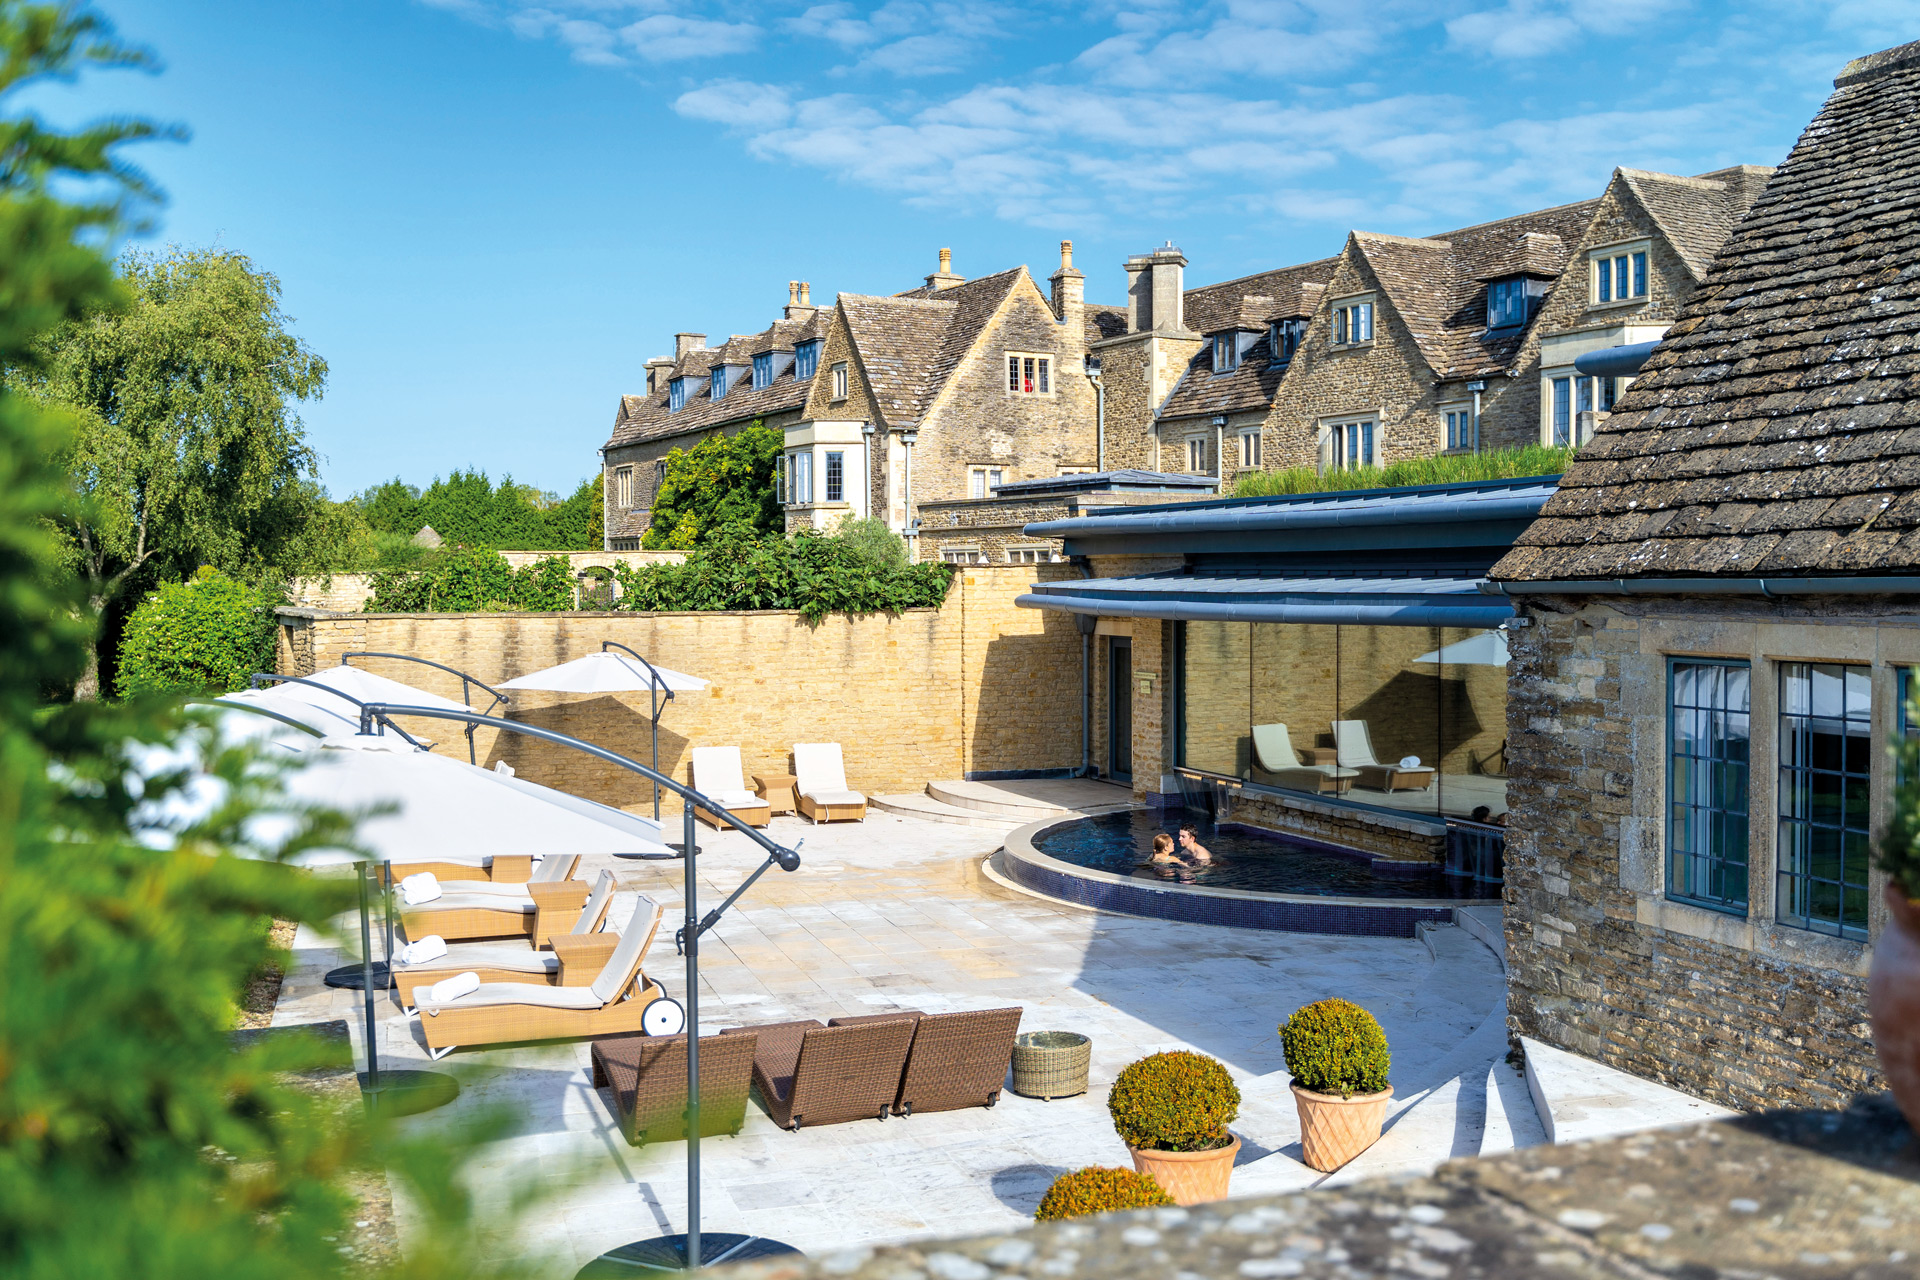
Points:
(187, 449)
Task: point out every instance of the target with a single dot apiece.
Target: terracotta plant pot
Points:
(1333, 1129)
(1190, 1177)
(1893, 996)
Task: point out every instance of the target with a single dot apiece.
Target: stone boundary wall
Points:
(976, 685)
(348, 592)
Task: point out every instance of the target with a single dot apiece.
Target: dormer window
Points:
(717, 382)
(1226, 353)
(677, 394)
(1506, 303)
(1283, 339)
(763, 371)
(806, 358)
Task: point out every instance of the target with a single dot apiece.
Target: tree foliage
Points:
(723, 486)
(136, 1137)
(188, 449)
(473, 580)
(467, 509)
(813, 573)
(207, 635)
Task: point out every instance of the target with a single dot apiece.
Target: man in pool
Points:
(1190, 847)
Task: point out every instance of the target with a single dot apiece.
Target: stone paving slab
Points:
(892, 913)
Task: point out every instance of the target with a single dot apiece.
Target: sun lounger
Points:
(507, 1012)
(519, 961)
(717, 775)
(808, 1074)
(956, 1059)
(551, 869)
(504, 869)
(535, 912)
(1354, 746)
(648, 1077)
(821, 789)
(1273, 753)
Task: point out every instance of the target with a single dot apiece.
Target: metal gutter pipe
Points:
(1469, 613)
(1100, 423)
(1615, 362)
(1770, 587)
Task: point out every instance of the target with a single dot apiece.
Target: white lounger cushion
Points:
(551, 870)
(739, 799)
(532, 993)
(476, 902)
(511, 958)
(822, 775)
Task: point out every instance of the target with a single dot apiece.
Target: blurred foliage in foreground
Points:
(136, 1138)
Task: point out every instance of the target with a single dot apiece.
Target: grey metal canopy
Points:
(1359, 601)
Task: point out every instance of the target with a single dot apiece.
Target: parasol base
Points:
(408, 1093)
(352, 977)
(669, 1253)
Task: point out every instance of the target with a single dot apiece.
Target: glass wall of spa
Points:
(1407, 718)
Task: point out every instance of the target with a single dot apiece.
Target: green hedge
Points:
(475, 580)
(1335, 1046)
(811, 572)
(1456, 468)
(1177, 1101)
(204, 636)
(1099, 1190)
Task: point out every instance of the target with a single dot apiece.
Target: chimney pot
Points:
(793, 293)
(806, 294)
(1066, 254)
(946, 261)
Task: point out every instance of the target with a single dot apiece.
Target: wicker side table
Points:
(1051, 1064)
(777, 790)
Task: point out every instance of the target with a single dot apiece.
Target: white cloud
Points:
(1532, 28)
(670, 38)
(736, 103)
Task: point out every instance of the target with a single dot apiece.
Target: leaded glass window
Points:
(1826, 758)
(1709, 748)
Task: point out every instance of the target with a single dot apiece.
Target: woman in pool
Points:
(1165, 863)
(1190, 847)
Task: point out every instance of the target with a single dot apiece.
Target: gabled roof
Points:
(1776, 429)
(1200, 392)
(910, 345)
(646, 417)
(1418, 277)
(1288, 292)
(1694, 214)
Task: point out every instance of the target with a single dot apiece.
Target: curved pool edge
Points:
(1048, 877)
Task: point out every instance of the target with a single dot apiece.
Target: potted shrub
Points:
(1893, 991)
(1338, 1056)
(1099, 1190)
(1172, 1110)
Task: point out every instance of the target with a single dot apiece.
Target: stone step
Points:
(1513, 1122)
(1579, 1099)
(1030, 799)
(927, 809)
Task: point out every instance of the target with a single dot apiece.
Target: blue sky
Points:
(487, 214)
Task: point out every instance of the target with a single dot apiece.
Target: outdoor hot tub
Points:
(1259, 879)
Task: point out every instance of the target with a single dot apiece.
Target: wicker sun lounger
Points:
(553, 868)
(534, 913)
(807, 1074)
(820, 788)
(519, 961)
(506, 1012)
(957, 1059)
(648, 1076)
(717, 775)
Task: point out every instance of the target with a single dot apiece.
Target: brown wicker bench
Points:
(648, 1077)
(956, 1060)
(808, 1074)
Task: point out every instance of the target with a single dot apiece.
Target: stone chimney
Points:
(657, 370)
(1069, 289)
(1156, 297)
(944, 278)
(798, 307)
(685, 342)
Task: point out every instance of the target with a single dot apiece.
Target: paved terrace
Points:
(895, 913)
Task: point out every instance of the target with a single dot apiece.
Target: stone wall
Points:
(1390, 837)
(1139, 371)
(1735, 1008)
(975, 686)
(348, 592)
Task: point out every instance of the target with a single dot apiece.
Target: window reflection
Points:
(1407, 718)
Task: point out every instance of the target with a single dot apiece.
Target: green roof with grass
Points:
(1453, 468)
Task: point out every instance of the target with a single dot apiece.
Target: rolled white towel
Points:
(460, 984)
(431, 947)
(416, 889)
(501, 766)
(1409, 762)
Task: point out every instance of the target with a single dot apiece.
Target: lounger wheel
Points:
(663, 1017)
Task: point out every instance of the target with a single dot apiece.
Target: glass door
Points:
(1120, 707)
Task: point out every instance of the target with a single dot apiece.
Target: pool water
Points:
(1122, 843)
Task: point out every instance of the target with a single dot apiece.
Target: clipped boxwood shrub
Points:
(206, 635)
(1097, 1189)
(1178, 1101)
(1335, 1046)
